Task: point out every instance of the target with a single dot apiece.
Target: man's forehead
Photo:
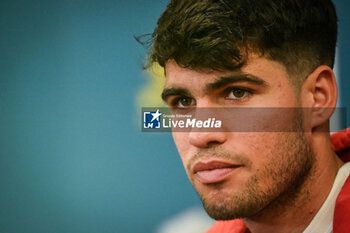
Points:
(253, 63)
(184, 81)
(177, 75)
(172, 67)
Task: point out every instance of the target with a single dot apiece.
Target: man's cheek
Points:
(181, 143)
(258, 141)
(182, 146)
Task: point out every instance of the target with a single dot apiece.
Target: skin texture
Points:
(279, 180)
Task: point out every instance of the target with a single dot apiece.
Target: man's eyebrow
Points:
(219, 83)
(174, 91)
(223, 81)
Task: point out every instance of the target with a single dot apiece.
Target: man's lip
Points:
(213, 171)
(211, 165)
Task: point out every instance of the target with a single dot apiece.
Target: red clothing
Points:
(341, 222)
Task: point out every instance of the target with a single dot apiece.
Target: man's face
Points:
(239, 174)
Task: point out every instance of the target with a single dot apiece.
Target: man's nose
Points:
(206, 139)
(203, 138)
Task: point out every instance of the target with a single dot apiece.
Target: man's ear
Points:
(319, 92)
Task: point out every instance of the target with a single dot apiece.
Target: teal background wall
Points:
(72, 157)
(343, 9)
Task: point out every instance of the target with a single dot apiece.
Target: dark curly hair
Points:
(219, 34)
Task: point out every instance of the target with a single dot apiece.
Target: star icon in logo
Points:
(156, 115)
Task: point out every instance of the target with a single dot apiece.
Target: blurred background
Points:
(72, 155)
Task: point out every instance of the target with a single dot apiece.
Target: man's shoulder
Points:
(341, 144)
(230, 226)
(342, 209)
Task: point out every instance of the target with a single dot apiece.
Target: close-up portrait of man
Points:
(175, 116)
(259, 54)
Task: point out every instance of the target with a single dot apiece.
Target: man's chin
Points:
(221, 206)
(227, 205)
(221, 211)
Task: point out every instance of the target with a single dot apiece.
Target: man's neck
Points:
(294, 210)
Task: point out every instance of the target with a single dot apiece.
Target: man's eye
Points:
(184, 102)
(237, 93)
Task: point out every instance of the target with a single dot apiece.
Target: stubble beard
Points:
(289, 168)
